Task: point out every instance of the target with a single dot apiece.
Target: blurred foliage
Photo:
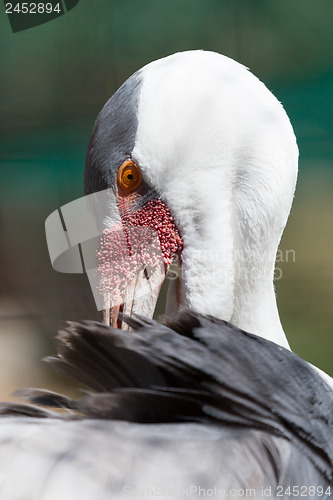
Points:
(305, 289)
(55, 78)
(67, 68)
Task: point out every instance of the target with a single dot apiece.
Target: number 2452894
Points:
(32, 8)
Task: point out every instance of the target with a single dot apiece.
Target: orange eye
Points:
(129, 177)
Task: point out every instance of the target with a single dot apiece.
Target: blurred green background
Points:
(55, 78)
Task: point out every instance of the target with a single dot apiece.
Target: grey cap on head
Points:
(113, 136)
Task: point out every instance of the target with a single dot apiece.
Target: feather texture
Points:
(201, 403)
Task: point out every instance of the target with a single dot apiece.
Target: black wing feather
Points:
(193, 368)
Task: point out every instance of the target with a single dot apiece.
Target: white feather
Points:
(221, 150)
(103, 460)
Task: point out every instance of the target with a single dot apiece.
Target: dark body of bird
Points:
(190, 407)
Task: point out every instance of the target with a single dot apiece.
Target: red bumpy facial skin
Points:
(146, 238)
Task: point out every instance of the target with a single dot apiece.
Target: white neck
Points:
(258, 313)
(220, 149)
(235, 282)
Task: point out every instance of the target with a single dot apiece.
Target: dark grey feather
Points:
(267, 415)
(113, 136)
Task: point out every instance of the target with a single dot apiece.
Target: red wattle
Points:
(144, 238)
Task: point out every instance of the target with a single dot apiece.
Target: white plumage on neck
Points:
(220, 149)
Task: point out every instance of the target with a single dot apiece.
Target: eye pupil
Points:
(128, 178)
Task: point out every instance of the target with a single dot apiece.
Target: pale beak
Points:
(141, 296)
(130, 274)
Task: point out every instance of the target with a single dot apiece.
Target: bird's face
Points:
(153, 148)
(134, 255)
(199, 161)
